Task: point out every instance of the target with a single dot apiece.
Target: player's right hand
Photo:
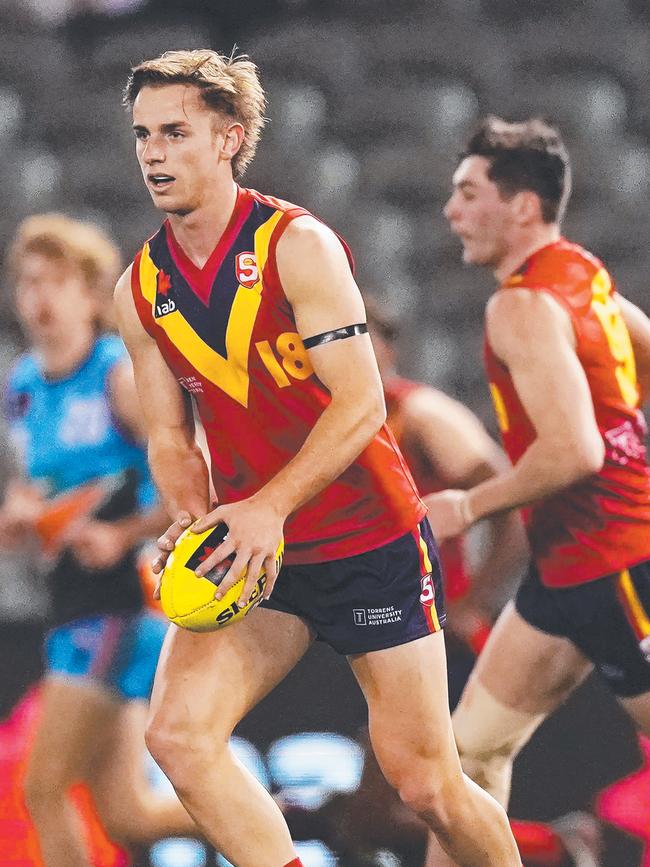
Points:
(167, 542)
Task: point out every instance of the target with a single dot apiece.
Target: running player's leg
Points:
(521, 676)
(205, 684)
(131, 811)
(75, 715)
(410, 729)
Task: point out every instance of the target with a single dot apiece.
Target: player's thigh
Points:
(76, 720)
(408, 706)
(209, 681)
(526, 668)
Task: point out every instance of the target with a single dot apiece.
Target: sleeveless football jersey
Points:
(602, 524)
(452, 555)
(66, 436)
(228, 334)
(64, 429)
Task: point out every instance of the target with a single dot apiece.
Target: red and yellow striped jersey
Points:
(600, 525)
(452, 554)
(228, 333)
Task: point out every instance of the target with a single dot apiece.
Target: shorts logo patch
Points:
(428, 594)
(377, 616)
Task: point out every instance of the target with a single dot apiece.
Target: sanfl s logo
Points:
(246, 270)
(164, 304)
(428, 593)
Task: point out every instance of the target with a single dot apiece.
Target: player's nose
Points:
(153, 153)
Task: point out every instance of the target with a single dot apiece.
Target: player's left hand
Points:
(254, 533)
(99, 544)
(449, 514)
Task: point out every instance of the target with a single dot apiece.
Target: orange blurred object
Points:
(61, 513)
(18, 843)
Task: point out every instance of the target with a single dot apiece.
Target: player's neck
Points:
(60, 356)
(199, 232)
(524, 248)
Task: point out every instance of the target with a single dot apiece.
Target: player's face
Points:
(478, 214)
(178, 146)
(51, 298)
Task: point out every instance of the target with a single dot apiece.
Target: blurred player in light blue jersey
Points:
(86, 501)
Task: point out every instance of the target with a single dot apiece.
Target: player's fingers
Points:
(170, 537)
(156, 591)
(233, 574)
(271, 568)
(210, 520)
(220, 553)
(254, 569)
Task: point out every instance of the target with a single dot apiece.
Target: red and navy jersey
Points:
(228, 333)
(600, 525)
(452, 551)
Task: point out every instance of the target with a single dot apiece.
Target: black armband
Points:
(337, 334)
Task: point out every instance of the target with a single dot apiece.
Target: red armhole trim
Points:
(271, 266)
(141, 304)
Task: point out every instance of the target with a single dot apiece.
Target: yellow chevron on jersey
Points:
(230, 373)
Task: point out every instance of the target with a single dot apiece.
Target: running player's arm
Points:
(533, 336)
(176, 461)
(638, 325)
(463, 455)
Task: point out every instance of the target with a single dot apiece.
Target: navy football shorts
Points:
(607, 619)
(384, 597)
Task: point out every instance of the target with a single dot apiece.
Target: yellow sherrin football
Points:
(188, 600)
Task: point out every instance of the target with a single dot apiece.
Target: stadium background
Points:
(370, 101)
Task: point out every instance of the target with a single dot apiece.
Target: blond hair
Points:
(227, 84)
(82, 245)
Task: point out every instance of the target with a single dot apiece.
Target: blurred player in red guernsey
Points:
(446, 446)
(567, 358)
(248, 305)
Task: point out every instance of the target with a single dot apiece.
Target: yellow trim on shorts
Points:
(638, 612)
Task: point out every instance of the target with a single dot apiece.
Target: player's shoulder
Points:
(522, 309)
(23, 373)
(561, 266)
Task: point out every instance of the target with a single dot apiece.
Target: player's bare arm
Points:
(318, 283)
(638, 325)
(102, 544)
(464, 455)
(176, 461)
(533, 336)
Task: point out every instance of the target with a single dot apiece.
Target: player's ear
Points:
(527, 207)
(233, 139)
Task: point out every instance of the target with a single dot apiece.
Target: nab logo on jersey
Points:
(246, 270)
(164, 305)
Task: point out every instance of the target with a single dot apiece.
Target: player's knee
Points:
(489, 735)
(181, 750)
(435, 797)
(43, 787)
